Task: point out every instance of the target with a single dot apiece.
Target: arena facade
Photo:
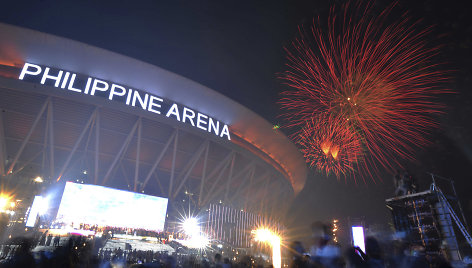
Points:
(70, 111)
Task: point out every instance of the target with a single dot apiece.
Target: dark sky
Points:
(236, 48)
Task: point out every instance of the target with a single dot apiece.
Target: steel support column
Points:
(172, 171)
(230, 177)
(226, 163)
(3, 149)
(159, 158)
(77, 143)
(27, 162)
(120, 152)
(158, 183)
(51, 138)
(202, 183)
(97, 146)
(250, 174)
(45, 142)
(138, 153)
(28, 136)
(189, 167)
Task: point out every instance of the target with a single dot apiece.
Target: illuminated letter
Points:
(174, 110)
(87, 86)
(25, 70)
(200, 121)
(55, 78)
(152, 104)
(112, 91)
(128, 98)
(138, 97)
(212, 125)
(225, 131)
(186, 115)
(94, 86)
(71, 84)
(64, 81)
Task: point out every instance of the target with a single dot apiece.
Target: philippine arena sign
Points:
(81, 84)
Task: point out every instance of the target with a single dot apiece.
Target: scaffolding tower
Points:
(427, 218)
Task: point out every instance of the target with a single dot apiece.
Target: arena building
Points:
(70, 111)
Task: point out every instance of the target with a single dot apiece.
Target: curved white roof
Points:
(19, 45)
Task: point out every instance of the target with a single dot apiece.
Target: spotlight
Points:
(265, 235)
(196, 239)
(3, 201)
(191, 226)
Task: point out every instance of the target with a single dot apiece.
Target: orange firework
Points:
(331, 145)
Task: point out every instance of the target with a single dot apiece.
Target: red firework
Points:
(331, 145)
(379, 78)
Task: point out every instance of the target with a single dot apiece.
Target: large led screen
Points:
(103, 206)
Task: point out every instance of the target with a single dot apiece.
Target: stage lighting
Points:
(198, 241)
(265, 235)
(38, 179)
(191, 226)
(3, 202)
(196, 238)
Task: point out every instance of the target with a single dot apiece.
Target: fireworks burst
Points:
(371, 87)
(330, 145)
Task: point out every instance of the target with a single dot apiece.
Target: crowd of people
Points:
(324, 252)
(162, 236)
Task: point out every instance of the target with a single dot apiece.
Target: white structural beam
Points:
(120, 152)
(28, 136)
(172, 170)
(45, 142)
(159, 158)
(97, 147)
(51, 138)
(158, 183)
(77, 143)
(138, 154)
(225, 163)
(241, 185)
(254, 183)
(3, 149)
(246, 169)
(276, 198)
(220, 165)
(185, 173)
(230, 177)
(202, 180)
(123, 171)
(243, 171)
(265, 190)
(27, 162)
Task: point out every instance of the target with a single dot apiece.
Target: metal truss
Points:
(237, 177)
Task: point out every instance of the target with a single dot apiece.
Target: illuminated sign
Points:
(81, 84)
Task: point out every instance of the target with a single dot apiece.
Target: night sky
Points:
(236, 48)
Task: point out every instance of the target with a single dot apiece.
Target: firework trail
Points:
(379, 78)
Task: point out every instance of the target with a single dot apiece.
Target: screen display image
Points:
(358, 237)
(103, 206)
(35, 210)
